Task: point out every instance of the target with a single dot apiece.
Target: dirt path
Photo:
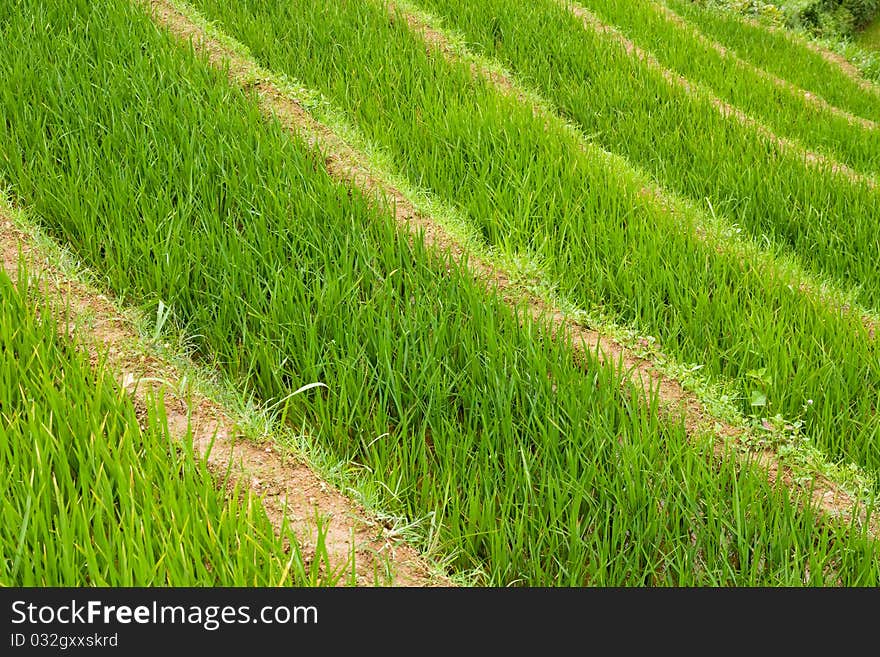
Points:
(349, 167)
(848, 68)
(287, 488)
(816, 101)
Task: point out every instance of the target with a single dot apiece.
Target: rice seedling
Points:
(527, 186)
(681, 138)
(784, 110)
(786, 55)
(528, 468)
(92, 498)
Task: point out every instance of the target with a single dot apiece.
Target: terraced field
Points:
(549, 293)
(96, 492)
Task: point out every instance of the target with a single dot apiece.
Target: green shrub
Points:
(823, 18)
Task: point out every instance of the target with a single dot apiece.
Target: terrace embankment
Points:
(292, 493)
(349, 166)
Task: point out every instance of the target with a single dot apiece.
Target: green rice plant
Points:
(528, 185)
(463, 413)
(784, 110)
(90, 498)
(785, 54)
(680, 137)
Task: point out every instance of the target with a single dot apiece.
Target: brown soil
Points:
(288, 489)
(817, 101)
(349, 167)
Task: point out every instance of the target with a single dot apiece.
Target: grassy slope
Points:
(527, 186)
(288, 279)
(785, 112)
(869, 37)
(91, 499)
(785, 55)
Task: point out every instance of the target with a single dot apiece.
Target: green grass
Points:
(524, 467)
(863, 57)
(93, 499)
(869, 37)
(681, 139)
(785, 111)
(529, 187)
(785, 55)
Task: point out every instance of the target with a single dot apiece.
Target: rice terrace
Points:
(437, 293)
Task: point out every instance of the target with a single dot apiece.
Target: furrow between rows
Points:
(358, 546)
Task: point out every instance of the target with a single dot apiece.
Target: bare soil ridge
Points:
(811, 98)
(289, 490)
(848, 68)
(349, 167)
